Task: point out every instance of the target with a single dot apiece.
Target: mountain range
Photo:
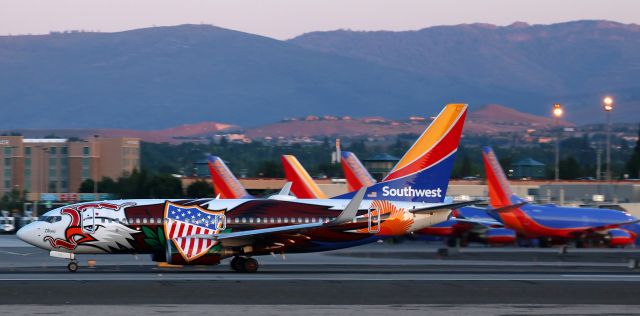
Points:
(488, 120)
(156, 78)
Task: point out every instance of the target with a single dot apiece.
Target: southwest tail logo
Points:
(422, 175)
(225, 184)
(355, 173)
(411, 192)
(303, 186)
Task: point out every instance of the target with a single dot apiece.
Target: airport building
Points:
(380, 165)
(60, 165)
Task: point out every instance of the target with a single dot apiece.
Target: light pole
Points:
(557, 113)
(607, 106)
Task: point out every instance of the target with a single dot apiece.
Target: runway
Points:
(382, 275)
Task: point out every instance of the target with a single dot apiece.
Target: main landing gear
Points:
(72, 266)
(240, 264)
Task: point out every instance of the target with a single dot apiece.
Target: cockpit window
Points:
(50, 219)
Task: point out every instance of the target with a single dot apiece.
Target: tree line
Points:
(258, 159)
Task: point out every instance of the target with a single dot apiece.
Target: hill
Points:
(160, 77)
(156, 78)
(169, 135)
(490, 119)
(487, 120)
(574, 63)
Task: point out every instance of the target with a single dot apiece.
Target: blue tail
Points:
(422, 175)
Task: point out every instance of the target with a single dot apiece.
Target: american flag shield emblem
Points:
(183, 221)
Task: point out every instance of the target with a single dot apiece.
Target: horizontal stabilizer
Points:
(507, 208)
(485, 222)
(443, 207)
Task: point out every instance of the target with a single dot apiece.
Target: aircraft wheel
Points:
(237, 264)
(250, 265)
(72, 266)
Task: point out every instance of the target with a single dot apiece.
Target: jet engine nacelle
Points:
(499, 236)
(619, 237)
(173, 256)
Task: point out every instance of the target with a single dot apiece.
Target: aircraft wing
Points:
(443, 207)
(347, 215)
(257, 232)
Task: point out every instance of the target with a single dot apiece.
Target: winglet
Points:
(351, 210)
(286, 189)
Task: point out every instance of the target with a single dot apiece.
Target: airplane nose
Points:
(26, 234)
(21, 234)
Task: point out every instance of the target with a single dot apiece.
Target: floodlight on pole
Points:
(607, 106)
(557, 110)
(557, 113)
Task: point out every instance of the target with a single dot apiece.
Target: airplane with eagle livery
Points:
(206, 231)
(550, 223)
(468, 223)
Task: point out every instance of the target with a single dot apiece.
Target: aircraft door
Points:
(223, 223)
(88, 221)
(373, 220)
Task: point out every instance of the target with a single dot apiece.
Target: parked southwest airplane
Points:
(227, 186)
(554, 223)
(468, 223)
(205, 231)
(302, 185)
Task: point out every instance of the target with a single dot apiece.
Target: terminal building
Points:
(60, 165)
(380, 165)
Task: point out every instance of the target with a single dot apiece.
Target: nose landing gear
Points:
(247, 265)
(72, 266)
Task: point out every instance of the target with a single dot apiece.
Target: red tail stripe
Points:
(444, 148)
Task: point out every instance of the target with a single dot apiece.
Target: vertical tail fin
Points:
(355, 173)
(422, 175)
(500, 194)
(225, 184)
(303, 186)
